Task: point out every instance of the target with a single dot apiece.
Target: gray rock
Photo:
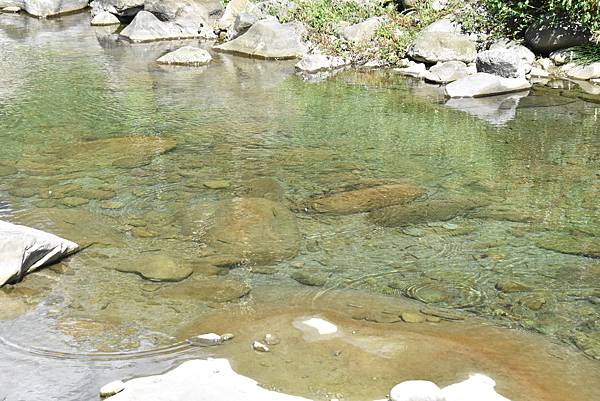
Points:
(584, 72)
(124, 8)
(156, 268)
(206, 340)
(268, 39)
(526, 55)
(417, 70)
(24, 250)
(320, 62)
(146, 27)
(484, 84)
(281, 9)
(434, 47)
(501, 62)
(554, 34)
(173, 10)
(47, 8)
(448, 71)
(260, 347)
(363, 31)
(187, 55)
(233, 10)
(105, 18)
(242, 23)
(539, 73)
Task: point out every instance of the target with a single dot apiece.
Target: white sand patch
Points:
(322, 326)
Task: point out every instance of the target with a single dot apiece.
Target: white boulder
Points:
(146, 27)
(363, 31)
(584, 72)
(502, 62)
(48, 8)
(199, 380)
(24, 249)
(476, 388)
(312, 63)
(448, 71)
(484, 84)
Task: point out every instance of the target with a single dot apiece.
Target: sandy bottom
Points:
(364, 360)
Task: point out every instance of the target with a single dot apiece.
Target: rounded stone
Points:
(157, 268)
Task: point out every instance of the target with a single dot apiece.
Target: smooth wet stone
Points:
(93, 193)
(588, 246)
(412, 317)
(208, 289)
(217, 184)
(23, 192)
(5, 171)
(309, 279)
(74, 201)
(264, 187)
(260, 347)
(156, 268)
(256, 230)
(364, 200)
(105, 18)
(186, 55)
(510, 286)
(112, 388)
(271, 339)
(424, 212)
(227, 336)
(206, 340)
(144, 232)
(443, 314)
(534, 302)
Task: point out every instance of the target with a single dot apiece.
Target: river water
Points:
(507, 238)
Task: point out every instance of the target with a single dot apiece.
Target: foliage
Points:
(514, 16)
(585, 54)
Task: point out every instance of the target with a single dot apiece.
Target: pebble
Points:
(412, 317)
(227, 337)
(442, 314)
(206, 340)
(112, 388)
(510, 286)
(218, 184)
(11, 9)
(271, 339)
(260, 347)
(73, 201)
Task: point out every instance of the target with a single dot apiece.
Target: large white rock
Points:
(199, 380)
(24, 249)
(484, 84)
(186, 55)
(268, 39)
(146, 27)
(47, 8)
(434, 47)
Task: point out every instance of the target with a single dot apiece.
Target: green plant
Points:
(585, 54)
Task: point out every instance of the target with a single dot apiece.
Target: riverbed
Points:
(105, 147)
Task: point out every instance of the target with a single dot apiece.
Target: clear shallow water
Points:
(531, 166)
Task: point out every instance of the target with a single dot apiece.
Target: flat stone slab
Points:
(484, 84)
(187, 55)
(24, 250)
(199, 380)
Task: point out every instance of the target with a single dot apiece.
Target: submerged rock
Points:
(256, 230)
(211, 379)
(208, 289)
(423, 212)
(510, 286)
(364, 200)
(268, 39)
(309, 279)
(434, 47)
(187, 55)
(484, 84)
(157, 268)
(588, 246)
(24, 250)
